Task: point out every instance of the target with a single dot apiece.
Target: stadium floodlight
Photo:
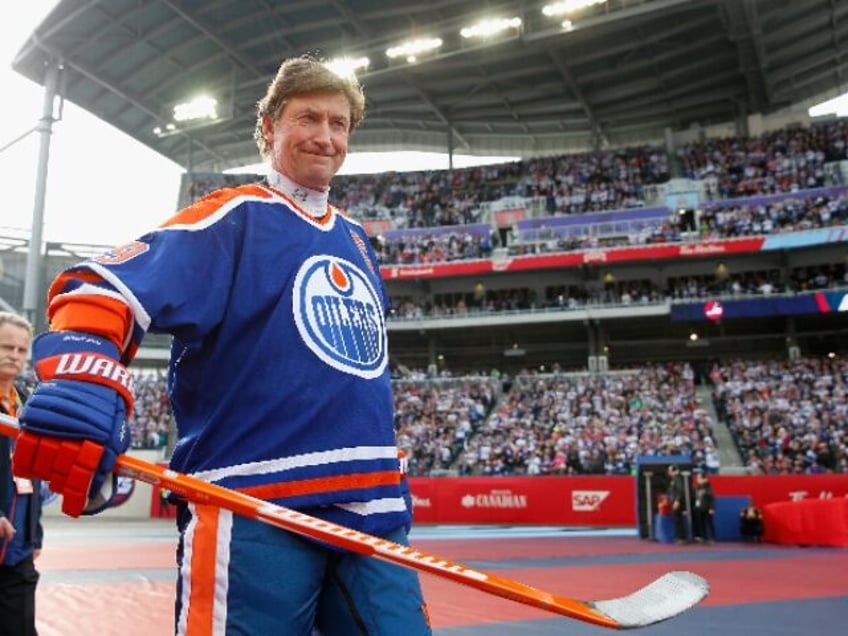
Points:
(199, 108)
(179, 117)
(490, 27)
(170, 128)
(411, 49)
(348, 66)
(566, 7)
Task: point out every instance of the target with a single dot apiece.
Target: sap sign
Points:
(588, 500)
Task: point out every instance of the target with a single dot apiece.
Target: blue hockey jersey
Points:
(278, 375)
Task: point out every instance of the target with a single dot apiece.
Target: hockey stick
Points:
(665, 597)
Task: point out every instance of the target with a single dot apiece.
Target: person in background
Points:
(279, 381)
(703, 510)
(751, 524)
(21, 532)
(677, 501)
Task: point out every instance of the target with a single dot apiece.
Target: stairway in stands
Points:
(731, 461)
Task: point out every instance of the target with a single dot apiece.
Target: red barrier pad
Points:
(821, 522)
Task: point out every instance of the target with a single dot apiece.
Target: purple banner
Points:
(776, 198)
(475, 229)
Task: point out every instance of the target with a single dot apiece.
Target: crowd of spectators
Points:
(420, 247)
(785, 160)
(788, 417)
(791, 213)
(435, 417)
(426, 198)
(587, 182)
(568, 424)
(567, 183)
(758, 282)
(774, 216)
(152, 419)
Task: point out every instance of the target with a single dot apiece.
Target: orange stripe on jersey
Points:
(99, 315)
(204, 551)
(344, 213)
(324, 484)
(210, 204)
(322, 220)
(58, 284)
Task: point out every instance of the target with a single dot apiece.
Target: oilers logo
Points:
(340, 317)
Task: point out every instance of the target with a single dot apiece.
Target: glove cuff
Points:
(53, 343)
(72, 355)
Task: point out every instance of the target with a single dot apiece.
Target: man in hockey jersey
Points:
(278, 378)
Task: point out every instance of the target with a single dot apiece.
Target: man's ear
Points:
(268, 128)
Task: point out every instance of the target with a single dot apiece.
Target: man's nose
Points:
(322, 133)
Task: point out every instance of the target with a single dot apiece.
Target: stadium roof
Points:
(625, 73)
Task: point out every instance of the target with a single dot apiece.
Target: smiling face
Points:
(309, 138)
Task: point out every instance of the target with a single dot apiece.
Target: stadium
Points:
(658, 278)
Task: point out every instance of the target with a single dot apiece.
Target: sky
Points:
(103, 187)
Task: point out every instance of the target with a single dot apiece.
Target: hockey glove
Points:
(74, 423)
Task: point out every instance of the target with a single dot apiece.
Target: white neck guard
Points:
(312, 201)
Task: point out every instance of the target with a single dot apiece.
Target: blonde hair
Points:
(11, 318)
(299, 76)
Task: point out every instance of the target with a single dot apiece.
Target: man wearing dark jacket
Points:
(703, 511)
(676, 494)
(21, 532)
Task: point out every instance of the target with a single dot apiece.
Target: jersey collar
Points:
(314, 202)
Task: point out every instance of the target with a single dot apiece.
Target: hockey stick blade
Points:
(664, 598)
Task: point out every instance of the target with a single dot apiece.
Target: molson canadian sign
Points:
(495, 499)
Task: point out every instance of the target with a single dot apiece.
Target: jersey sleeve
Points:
(174, 279)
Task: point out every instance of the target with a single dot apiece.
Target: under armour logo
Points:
(300, 194)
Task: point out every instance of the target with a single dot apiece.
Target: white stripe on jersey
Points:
(212, 219)
(140, 314)
(365, 508)
(299, 461)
